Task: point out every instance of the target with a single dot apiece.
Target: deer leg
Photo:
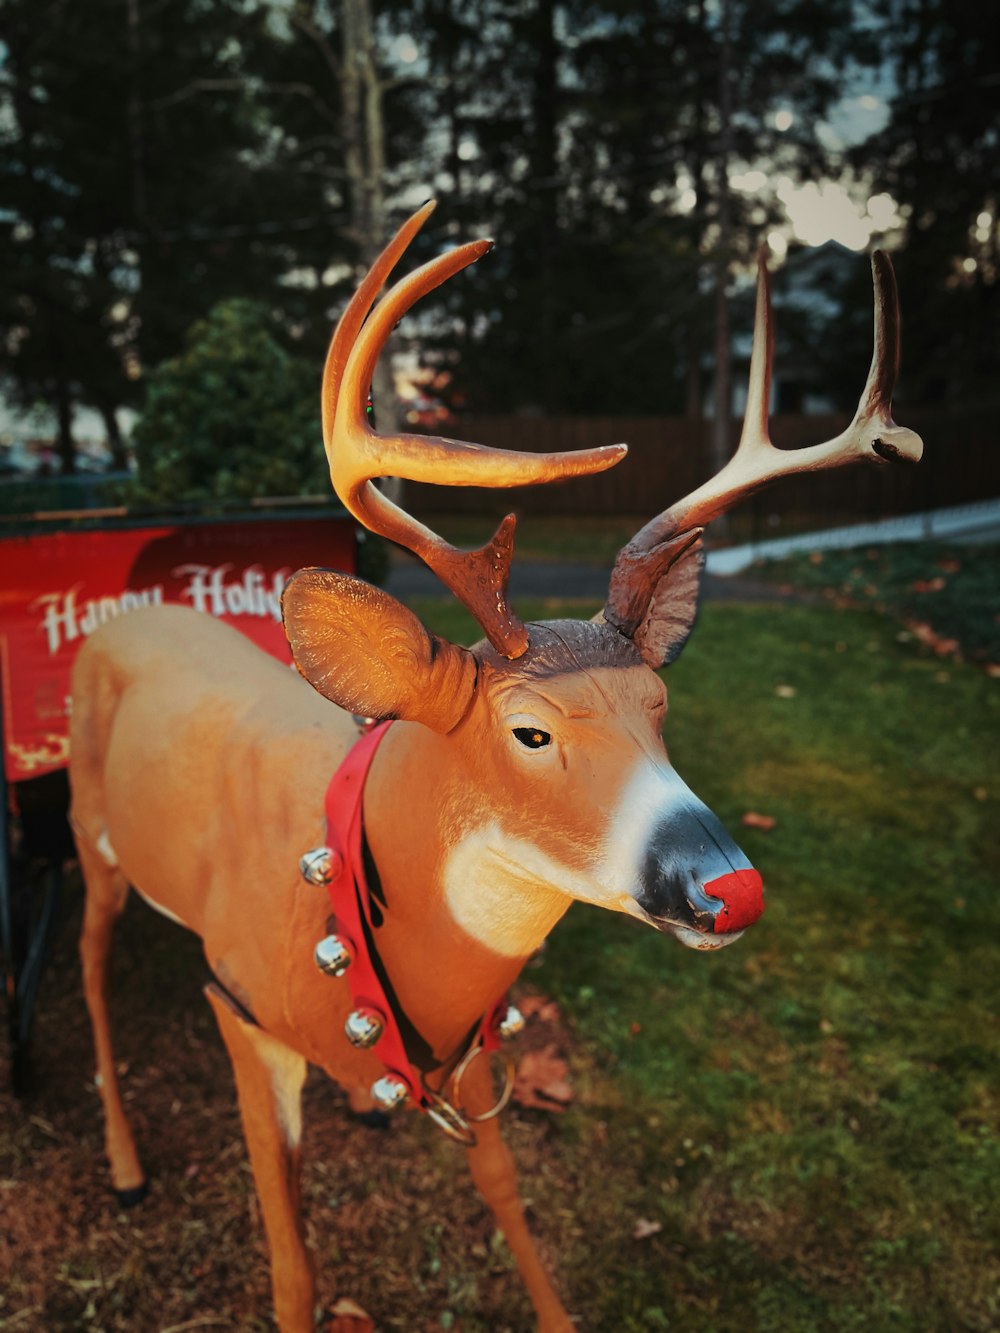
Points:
(106, 893)
(365, 1109)
(269, 1078)
(492, 1168)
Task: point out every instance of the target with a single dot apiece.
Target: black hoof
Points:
(133, 1197)
(374, 1119)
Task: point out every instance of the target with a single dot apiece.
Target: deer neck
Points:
(430, 840)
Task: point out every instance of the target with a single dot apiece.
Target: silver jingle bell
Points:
(364, 1027)
(333, 955)
(321, 866)
(389, 1092)
(510, 1023)
(364, 724)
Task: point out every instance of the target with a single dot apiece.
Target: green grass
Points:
(810, 1115)
(948, 593)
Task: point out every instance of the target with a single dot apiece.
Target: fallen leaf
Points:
(644, 1228)
(929, 637)
(754, 820)
(540, 1007)
(45, 1126)
(348, 1317)
(928, 585)
(785, 691)
(542, 1081)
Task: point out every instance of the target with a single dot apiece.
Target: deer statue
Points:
(365, 900)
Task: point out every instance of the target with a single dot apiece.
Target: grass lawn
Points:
(811, 1115)
(948, 596)
(797, 1133)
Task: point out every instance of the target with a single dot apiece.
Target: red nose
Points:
(742, 894)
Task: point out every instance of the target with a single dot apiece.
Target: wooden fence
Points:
(669, 456)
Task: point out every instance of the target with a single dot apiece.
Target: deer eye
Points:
(532, 738)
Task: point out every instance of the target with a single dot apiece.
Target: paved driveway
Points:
(725, 580)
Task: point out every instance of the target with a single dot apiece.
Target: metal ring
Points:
(462, 1068)
(450, 1120)
(454, 1121)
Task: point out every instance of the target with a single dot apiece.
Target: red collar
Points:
(351, 903)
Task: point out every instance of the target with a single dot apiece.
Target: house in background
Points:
(807, 295)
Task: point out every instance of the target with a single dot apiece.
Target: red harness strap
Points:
(351, 903)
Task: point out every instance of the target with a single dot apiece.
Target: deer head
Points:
(544, 741)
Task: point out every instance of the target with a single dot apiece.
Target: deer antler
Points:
(357, 454)
(871, 436)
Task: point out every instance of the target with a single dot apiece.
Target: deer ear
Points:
(365, 651)
(673, 608)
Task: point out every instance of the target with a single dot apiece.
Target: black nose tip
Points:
(679, 899)
(689, 850)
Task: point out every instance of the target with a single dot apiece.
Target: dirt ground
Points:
(391, 1215)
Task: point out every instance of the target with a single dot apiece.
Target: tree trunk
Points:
(116, 445)
(693, 405)
(66, 444)
(723, 392)
(136, 141)
(723, 359)
(694, 408)
(544, 187)
(364, 160)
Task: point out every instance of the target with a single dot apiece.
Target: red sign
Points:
(57, 588)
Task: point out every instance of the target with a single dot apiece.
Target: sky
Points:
(841, 210)
(838, 210)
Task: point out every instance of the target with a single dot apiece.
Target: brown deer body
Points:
(521, 774)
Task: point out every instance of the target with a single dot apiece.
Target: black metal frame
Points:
(31, 883)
